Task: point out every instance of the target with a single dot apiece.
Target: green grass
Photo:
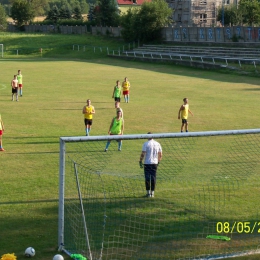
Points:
(22, 45)
(56, 86)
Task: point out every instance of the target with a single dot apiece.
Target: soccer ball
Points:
(29, 252)
(58, 257)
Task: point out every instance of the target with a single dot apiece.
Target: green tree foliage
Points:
(22, 12)
(129, 23)
(53, 15)
(7, 8)
(38, 6)
(56, 14)
(107, 13)
(251, 11)
(145, 24)
(91, 14)
(71, 4)
(231, 15)
(247, 13)
(3, 22)
(65, 12)
(84, 7)
(76, 14)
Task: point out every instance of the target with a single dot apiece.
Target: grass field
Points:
(56, 86)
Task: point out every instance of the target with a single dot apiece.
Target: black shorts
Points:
(117, 99)
(14, 90)
(88, 121)
(184, 121)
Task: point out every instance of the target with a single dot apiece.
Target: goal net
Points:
(205, 204)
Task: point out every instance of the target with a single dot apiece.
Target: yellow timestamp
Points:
(247, 227)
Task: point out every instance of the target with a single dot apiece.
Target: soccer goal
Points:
(2, 50)
(205, 205)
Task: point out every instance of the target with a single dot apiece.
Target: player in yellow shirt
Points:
(88, 112)
(20, 82)
(183, 114)
(126, 89)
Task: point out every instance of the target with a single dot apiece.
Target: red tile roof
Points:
(130, 2)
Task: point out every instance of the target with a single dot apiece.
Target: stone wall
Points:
(212, 34)
(245, 34)
(63, 29)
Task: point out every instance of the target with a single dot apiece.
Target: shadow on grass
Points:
(27, 201)
(33, 153)
(166, 68)
(252, 89)
(139, 222)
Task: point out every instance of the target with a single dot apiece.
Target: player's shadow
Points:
(61, 109)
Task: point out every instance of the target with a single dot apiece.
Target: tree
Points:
(146, 24)
(91, 15)
(84, 7)
(65, 12)
(129, 22)
(77, 15)
(231, 15)
(107, 14)
(3, 22)
(251, 11)
(38, 6)
(53, 14)
(22, 12)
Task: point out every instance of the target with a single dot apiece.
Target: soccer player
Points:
(118, 108)
(126, 89)
(183, 114)
(117, 92)
(116, 128)
(14, 84)
(152, 151)
(20, 82)
(2, 128)
(88, 112)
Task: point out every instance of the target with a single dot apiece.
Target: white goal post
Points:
(204, 205)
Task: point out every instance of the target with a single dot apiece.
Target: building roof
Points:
(131, 2)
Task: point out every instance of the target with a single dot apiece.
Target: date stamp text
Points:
(240, 227)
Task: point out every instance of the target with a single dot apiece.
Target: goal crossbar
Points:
(162, 135)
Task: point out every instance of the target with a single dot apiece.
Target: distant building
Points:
(123, 5)
(131, 2)
(197, 12)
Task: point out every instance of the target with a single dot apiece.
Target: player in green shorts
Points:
(117, 92)
(116, 128)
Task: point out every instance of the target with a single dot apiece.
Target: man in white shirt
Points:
(152, 152)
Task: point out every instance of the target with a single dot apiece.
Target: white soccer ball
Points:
(29, 252)
(58, 257)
